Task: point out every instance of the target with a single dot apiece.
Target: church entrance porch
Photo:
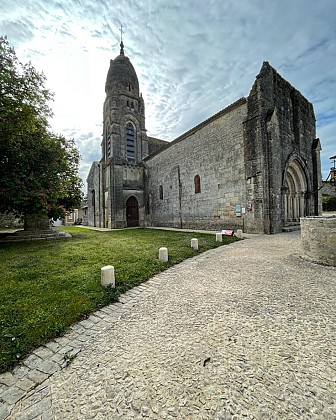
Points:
(132, 212)
(296, 193)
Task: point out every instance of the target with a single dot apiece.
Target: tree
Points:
(38, 169)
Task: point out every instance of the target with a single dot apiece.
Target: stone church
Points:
(254, 165)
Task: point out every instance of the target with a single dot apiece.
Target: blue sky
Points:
(193, 58)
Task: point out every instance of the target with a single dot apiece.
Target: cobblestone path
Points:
(242, 331)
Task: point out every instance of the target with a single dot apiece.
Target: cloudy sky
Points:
(192, 57)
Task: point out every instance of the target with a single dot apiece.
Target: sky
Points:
(192, 57)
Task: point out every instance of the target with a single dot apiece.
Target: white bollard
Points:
(219, 237)
(107, 276)
(163, 254)
(194, 243)
(239, 233)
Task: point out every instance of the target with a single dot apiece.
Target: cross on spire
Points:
(121, 41)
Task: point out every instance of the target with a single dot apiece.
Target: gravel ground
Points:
(242, 331)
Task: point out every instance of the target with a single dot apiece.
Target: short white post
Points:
(163, 254)
(107, 276)
(194, 243)
(219, 237)
(239, 233)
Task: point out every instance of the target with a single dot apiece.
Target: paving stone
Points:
(62, 341)
(77, 328)
(75, 344)
(32, 361)
(58, 358)
(94, 319)
(25, 384)
(63, 350)
(96, 327)
(48, 366)
(104, 324)
(37, 376)
(83, 338)
(12, 395)
(53, 346)
(43, 352)
(86, 324)
(7, 379)
(21, 371)
(4, 413)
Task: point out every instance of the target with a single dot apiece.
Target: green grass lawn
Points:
(48, 285)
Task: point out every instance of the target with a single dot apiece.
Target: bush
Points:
(329, 203)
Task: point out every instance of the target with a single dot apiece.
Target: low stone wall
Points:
(8, 220)
(318, 239)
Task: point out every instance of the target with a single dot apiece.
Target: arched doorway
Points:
(296, 197)
(132, 212)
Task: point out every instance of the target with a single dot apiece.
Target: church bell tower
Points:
(124, 147)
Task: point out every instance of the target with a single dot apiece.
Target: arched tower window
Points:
(161, 192)
(130, 140)
(197, 182)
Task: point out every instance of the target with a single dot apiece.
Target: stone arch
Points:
(296, 187)
(132, 211)
(130, 137)
(126, 119)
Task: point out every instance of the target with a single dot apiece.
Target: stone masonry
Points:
(254, 166)
(218, 162)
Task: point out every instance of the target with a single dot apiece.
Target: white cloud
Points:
(192, 58)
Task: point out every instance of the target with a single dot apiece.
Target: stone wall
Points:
(214, 152)
(155, 145)
(94, 195)
(328, 189)
(8, 220)
(280, 128)
(318, 239)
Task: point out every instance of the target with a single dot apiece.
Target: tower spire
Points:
(121, 41)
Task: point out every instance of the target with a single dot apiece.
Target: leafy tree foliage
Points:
(38, 169)
(329, 203)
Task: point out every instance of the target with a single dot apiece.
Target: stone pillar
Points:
(194, 243)
(295, 209)
(163, 254)
(239, 233)
(107, 276)
(302, 204)
(219, 237)
(286, 208)
(290, 207)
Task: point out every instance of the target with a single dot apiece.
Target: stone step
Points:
(291, 228)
